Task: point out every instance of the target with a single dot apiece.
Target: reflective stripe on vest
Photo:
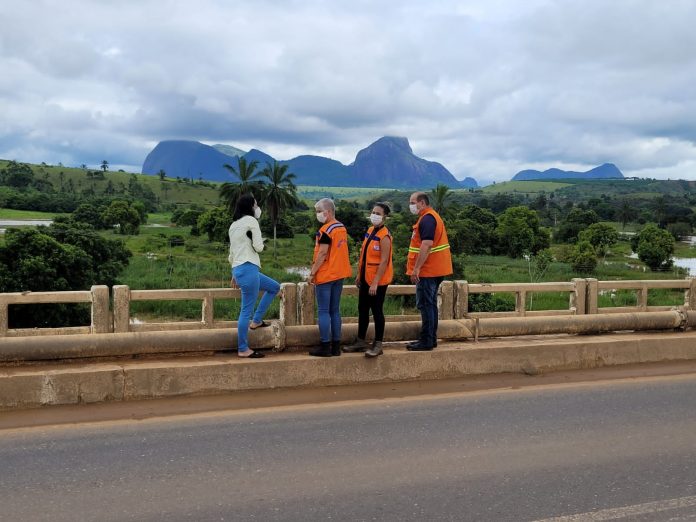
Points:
(439, 260)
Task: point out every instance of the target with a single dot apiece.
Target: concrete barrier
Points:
(34, 386)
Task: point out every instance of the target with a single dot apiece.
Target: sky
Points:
(487, 88)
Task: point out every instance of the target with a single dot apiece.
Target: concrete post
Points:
(689, 298)
(305, 294)
(591, 306)
(208, 311)
(578, 297)
(461, 299)
(521, 302)
(4, 320)
(642, 297)
(121, 308)
(288, 304)
(445, 300)
(101, 320)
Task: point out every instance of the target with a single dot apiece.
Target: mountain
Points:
(606, 171)
(468, 183)
(389, 162)
(188, 159)
(229, 150)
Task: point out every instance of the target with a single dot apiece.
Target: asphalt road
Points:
(593, 451)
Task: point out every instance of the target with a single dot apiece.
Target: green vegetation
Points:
(524, 187)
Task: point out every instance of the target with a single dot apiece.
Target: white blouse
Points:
(243, 249)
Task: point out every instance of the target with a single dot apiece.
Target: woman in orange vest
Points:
(330, 267)
(375, 272)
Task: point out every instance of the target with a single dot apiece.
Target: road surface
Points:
(586, 451)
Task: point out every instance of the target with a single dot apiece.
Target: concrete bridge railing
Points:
(111, 313)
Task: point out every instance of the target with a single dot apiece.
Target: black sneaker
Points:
(321, 351)
(419, 347)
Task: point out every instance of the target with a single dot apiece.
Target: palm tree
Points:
(280, 193)
(248, 182)
(104, 165)
(440, 195)
(626, 213)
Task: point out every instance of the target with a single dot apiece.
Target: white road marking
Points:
(628, 511)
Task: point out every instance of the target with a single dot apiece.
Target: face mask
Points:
(321, 217)
(257, 212)
(376, 219)
(413, 208)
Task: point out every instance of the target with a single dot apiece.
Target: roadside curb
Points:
(90, 382)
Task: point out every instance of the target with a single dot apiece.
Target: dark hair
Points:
(244, 207)
(384, 206)
(422, 196)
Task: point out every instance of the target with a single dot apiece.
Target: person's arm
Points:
(321, 257)
(256, 238)
(426, 230)
(423, 254)
(385, 253)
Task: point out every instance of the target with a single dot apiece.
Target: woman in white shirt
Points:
(245, 244)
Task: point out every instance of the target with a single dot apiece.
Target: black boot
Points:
(335, 348)
(321, 351)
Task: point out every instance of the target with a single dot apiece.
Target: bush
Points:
(654, 247)
(584, 259)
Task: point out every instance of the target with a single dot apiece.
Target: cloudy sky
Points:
(485, 87)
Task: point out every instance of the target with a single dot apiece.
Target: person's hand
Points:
(311, 279)
(373, 288)
(357, 281)
(233, 284)
(414, 277)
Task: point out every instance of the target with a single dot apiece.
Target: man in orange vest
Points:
(330, 266)
(429, 261)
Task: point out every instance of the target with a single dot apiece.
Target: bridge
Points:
(115, 358)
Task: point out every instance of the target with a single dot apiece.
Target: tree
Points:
(576, 221)
(162, 174)
(440, 194)
(17, 175)
(216, 223)
(601, 236)
(124, 215)
(280, 193)
(63, 256)
(519, 231)
(88, 213)
(626, 213)
(104, 165)
(654, 247)
(584, 257)
(247, 184)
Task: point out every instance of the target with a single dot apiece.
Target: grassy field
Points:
(8, 213)
(524, 187)
(316, 192)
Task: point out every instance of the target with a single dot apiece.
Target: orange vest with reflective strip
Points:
(373, 257)
(337, 263)
(439, 261)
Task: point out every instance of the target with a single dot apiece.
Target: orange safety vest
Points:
(337, 264)
(439, 260)
(373, 257)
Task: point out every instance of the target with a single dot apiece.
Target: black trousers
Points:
(367, 302)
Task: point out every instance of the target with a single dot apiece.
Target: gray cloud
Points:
(485, 88)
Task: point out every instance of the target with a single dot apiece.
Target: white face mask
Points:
(257, 212)
(376, 219)
(321, 217)
(413, 208)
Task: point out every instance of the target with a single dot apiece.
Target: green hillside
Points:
(524, 187)
(169, 191)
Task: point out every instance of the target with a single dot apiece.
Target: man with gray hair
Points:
(330, 265)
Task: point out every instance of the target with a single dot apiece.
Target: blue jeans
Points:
(426, 302)
(329, 310)
(250, 281)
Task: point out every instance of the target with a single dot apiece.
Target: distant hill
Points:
(389, 162)
(606, 171)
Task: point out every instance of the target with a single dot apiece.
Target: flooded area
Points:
(5, 223)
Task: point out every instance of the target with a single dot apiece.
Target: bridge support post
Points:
(305, 294)
(101, 319)
(461, 299)
(578, 298)
(445, 300)
(121, 308)
(288, 304)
